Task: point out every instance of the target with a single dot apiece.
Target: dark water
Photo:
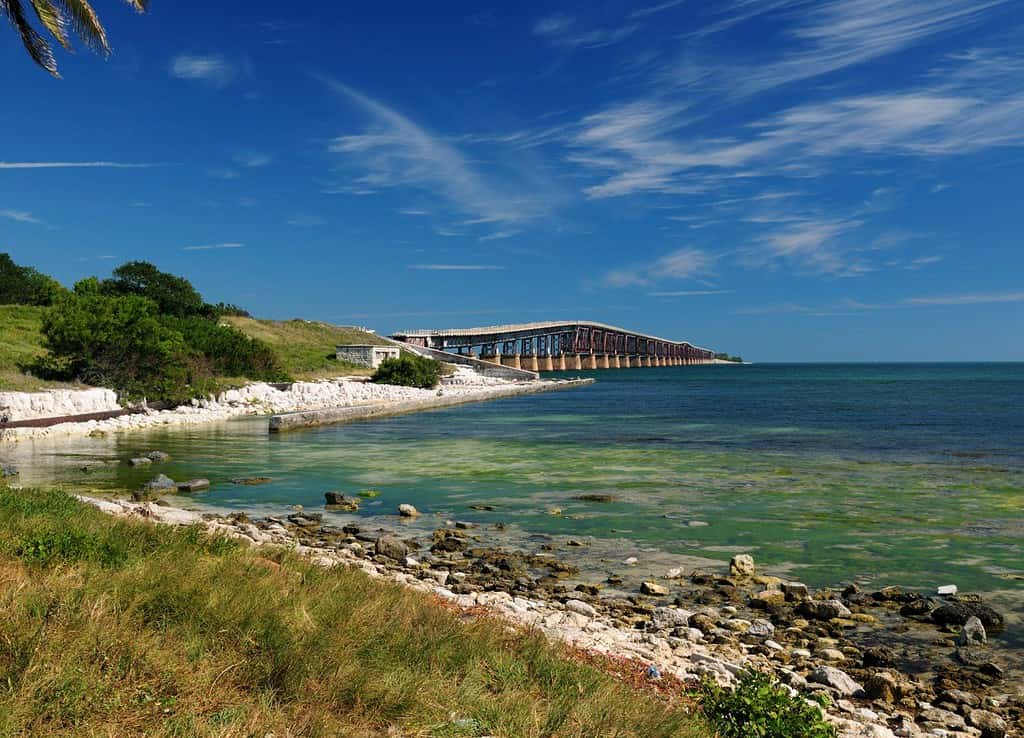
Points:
(884, 474)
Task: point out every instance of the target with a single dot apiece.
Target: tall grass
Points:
(110, 628)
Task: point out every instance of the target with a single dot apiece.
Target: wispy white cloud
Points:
(306, 221)
(73, 165)
(689, 293)
(569, 32)
(923, 261)
(976, 298)
(811, 245)
(213, 69)
(397, 152)
(413, 211)
(252, 159)
(654, 9)
(685, 263)
(21, 216)
(215, 246)
(457, 267)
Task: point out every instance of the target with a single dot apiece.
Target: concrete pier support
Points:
(529, 363)
(614, 362)
(512, 360)
(545, 364)
(589, 361)
(602, 362)
(573, 362)
(559, 363)
(493, 358)
(645, 361)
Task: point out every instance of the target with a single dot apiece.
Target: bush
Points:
(759, 707)
(173, 295)
(228, 351)
(409, 371)
(20, 285)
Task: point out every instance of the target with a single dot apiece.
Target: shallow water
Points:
(881, 474)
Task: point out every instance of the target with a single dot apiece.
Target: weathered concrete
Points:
(573, 362)
(366, 355)
(511, 360)
(560, 365)
(613, 362)
(56, 403)
(310, 418)
(530, 363)
(589, 361)
(484, 368)
(544, 364)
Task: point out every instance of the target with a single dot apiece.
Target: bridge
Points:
(560, 346)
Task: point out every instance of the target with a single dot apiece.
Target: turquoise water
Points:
(887, 474)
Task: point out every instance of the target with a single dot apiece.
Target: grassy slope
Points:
(307, 348)
(116, 628)
(20, 342)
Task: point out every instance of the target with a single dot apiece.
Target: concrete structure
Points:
(554, 346)
(365, 354)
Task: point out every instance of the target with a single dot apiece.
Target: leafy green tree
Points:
(62, 19)
(173, 295)
(117, 341)
(21, 285)
(409, 371)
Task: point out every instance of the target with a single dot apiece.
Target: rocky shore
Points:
(888, 662)
(264, 399)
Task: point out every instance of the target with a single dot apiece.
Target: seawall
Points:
(309, 418)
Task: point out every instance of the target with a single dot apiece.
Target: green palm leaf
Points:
(35, 45)
(86, 24)
(54, 21)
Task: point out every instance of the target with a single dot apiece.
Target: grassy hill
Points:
(306, 348)
(20, 342)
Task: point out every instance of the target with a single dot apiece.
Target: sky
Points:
(789, 180)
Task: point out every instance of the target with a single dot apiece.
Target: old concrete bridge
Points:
(558, 346)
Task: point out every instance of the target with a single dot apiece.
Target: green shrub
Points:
(172, 295)
(759, 707)
(409, 371)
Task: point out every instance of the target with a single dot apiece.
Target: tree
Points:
(21, 285)
(409, 371)
(63, 19)
(173, 295)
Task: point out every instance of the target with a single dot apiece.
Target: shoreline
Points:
(347, 398)
(710, 630)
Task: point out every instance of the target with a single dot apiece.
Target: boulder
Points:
(837, 679)
(392, 547)
(824, 609)
(741, 565)
(407, 511)
(140, 461)
(158, 456)
(990, 724)
(449, 541)
(581, 608)
(882, 686)
(958, 612)
(761, 628)
(653, 588)
(946, 590)
(340, 501)
(159, 483)
(796, 591)
(193, 485)
(667, 618)
(973, 633)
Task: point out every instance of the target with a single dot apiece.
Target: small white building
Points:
(366, 355)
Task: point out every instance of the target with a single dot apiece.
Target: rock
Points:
(831, 654)
(631, 561)
(581, 608)
(767, 599)
(824, 609)
(796, 591)
(741, 565)
(946, 590)
(340, 501)
(140, 461)
(837, 679)
(761, 628)
(675, 573)
(8, 470)
(958, 612)
(193, 485)
(990, 724)
(392, 547)
(959, 697)
(879, 656)
(917, 607)
(158, 456)
(595, 498)
(883, 686)
(666, 618)
(411, 562)
(160, 482)
(704, 623)
(973, 633)
(653, 588)
(939, 718)
(407, 511)
(449, 541)
(250, 481)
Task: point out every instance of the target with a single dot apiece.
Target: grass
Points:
(21, 341)
(123, 628)
(307, 348)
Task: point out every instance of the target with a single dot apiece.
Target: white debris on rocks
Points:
(575, 622)
(260, 398)
(57, 403)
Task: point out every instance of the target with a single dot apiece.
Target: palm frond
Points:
(86, 24)
(53, 20)
(36, 46)
(140, 6)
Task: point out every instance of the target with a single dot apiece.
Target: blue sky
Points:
(785, 179)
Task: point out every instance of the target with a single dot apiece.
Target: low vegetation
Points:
(409, 371)
(305, 348)
(124, 628)
(21, 346)
(727, 357)
(760, 707)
